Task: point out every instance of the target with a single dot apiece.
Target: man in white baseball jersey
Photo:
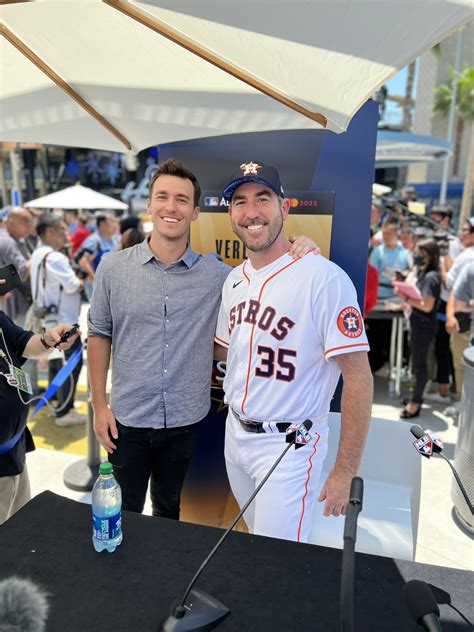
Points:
(290, 328)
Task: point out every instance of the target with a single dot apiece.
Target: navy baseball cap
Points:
(254, 172)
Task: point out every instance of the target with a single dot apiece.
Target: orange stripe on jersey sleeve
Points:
(360, 344)
(221, 342)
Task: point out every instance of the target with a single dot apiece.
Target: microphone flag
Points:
(298, 434)
(424, 445)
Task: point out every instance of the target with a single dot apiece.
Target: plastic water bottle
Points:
(106, 511)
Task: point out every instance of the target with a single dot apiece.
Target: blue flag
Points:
(59, 379)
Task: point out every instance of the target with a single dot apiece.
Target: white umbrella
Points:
(113, 74)
(79, 197)
(380, 189)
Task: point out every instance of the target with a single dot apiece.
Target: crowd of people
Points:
(162, 368)
(419, 265)
(56, 254)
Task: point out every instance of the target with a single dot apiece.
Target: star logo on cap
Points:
(250, 168)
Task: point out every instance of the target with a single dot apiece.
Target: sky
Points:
(396, 85)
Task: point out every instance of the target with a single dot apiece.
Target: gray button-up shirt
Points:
(161, 320)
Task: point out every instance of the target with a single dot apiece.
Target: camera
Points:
(42, 312)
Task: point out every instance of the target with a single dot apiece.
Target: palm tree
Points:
(443, 95)
(407, 104)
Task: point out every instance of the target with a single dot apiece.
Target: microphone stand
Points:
(458, 481)
(418, 432)
(348, 554)
(202, 612)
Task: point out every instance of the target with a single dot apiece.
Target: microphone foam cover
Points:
(417, 431)
(23, 606)
(419, 599)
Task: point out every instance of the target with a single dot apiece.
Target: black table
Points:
(270, 585)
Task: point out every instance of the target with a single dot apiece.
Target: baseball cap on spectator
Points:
(421, 232)
(254, 172)
(440, 209)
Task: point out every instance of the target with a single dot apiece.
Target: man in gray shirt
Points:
(13, 250)
(155, 308)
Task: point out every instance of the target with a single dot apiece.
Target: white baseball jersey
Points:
(283, 324)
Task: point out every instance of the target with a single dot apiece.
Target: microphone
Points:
(422, 605)
(23, 606)
(426, 445)
(348, 554)
(203, 612)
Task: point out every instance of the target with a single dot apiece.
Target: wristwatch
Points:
(44, 343)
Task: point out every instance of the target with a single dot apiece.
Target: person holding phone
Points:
(16, 345)
(423, 323)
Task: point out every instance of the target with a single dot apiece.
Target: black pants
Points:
(421, 337)
(67, 393)
(160, 456)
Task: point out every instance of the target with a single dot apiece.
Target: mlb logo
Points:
(424, 446)
(211, 201)
(302, 435)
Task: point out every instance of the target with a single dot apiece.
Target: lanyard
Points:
(6, 447)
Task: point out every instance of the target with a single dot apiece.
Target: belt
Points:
(268, 427)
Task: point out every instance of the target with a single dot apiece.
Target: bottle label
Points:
(107, 528)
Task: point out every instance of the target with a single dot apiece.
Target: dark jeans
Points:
(421, 337)
(66, 394)
(161, 456)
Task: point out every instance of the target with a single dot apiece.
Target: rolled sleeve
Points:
(99, 319)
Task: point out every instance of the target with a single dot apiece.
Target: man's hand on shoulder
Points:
(105, 427)
(301, 246)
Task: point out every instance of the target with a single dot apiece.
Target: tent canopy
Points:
(78, 197)
(114, 74)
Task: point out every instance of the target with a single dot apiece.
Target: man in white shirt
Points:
(56, 293)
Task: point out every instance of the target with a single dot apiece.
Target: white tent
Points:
(78, 197)
(114, 74)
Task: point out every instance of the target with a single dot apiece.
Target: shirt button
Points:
(166, 297)
(167, 320)
(165, 370)
(167, 346)
(165, 272)
(164, 392)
